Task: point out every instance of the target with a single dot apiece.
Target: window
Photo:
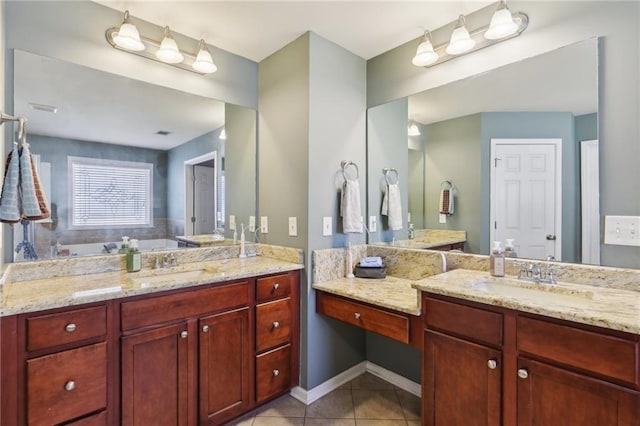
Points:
(109, 193)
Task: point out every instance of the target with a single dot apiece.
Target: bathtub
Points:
(94, 249)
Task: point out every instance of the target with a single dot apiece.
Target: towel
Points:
(446, 202)
(371, 262)
(350, 207)
(34, 203)
(9, 208)
(392, 207)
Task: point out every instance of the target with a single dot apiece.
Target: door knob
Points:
(551, 237)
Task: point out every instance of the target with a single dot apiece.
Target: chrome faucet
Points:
(533, 273)
(166, 261)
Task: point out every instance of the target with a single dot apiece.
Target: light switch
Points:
(442, 218)
(373, 224)
(622, 230)
(232, 221)
(252, 224)
(264, 225)
(327, 225)
(293, 226)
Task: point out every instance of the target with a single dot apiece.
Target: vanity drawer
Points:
(177, 306)
(46, 331)
(66, 385)
(386, 323)
(273, 324)
(273, 373)
(273, 287)
(461, 320)
(99, 419)
(591, 351)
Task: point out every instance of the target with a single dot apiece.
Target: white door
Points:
(204, 205)
(526, 198)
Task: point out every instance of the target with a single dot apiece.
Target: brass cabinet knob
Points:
(492, 364)
(70, 328)
(70, 385)
(522, 373)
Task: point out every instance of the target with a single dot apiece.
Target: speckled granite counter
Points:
(603, 307)
(390, 292)
(425, 244)
(39, 293)
(203, 240)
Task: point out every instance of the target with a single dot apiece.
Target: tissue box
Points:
(368, 272)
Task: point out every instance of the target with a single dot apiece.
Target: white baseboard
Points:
(309, 396)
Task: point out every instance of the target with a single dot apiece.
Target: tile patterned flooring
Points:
(364, 401)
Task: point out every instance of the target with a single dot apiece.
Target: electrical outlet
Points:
(293, 226)
(408, 217)
(264, 225)
(252, 224)
(327, 225)
(232, 221)
(373, 224)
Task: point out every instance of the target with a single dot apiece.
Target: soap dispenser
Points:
(496, 260)
(134, 257)
(124, 245)
(509, 249)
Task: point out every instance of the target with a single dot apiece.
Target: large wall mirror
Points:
(553, 96)
(92, 131)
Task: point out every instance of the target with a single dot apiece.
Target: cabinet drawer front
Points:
(99, 419)
(273, 287)
(273, 324)
(273, 373)
(160, 309)
(46, 331)
(601, 354)
(465, 321)
(66, 385)
(389, 324)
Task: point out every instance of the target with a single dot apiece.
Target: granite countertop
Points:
(205, 239)
(47, 293)
(426, 243)
(599, 306)
(390, 292)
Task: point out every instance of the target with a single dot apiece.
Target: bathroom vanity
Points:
(201, 343)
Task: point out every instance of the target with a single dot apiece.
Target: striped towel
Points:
(9, 208)
(34, 203)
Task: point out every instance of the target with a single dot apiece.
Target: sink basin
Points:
(502, 285)
(169, 276)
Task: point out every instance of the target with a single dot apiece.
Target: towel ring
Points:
(346, 163)
(445, 184)
(387, 178)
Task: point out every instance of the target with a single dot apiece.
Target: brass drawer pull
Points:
(276, 324)
(276, 373)
(70, 385)
(70, 328)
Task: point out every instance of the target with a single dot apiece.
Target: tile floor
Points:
(364, 401)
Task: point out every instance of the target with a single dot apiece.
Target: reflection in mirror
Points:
(554, 95)
(95, 133)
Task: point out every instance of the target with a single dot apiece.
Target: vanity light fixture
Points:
(503, 26)
(223, 134)
(413, 130)
(128, 39)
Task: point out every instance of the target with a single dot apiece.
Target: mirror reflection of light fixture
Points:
(461, 42)
(126, 38)
(169, 51)
(223, 134)
(413, 130)
(503, 26)
(425, 55)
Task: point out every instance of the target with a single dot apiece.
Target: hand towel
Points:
(446, 201)
(392, 207)
(34, 204)
(350, 207)
(9, 208)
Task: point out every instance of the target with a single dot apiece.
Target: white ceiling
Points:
(256, 29)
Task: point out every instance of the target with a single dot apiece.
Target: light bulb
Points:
(502, 24)
(461, 41)
(169, 51)
(204, 62)
(425, 55)
(128, 36)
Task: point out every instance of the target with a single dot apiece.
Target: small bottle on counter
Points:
(134, 257)
(412, 232)
(496, 260)
(124, 245)
(509, 249)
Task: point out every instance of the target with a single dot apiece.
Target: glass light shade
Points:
(425, 55)
(413, 130)
(204, 61)
(502, 24)
(460, 41)
(169, 51)
(128, 37)
(223, 134)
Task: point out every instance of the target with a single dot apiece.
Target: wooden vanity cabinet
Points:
(487, 365)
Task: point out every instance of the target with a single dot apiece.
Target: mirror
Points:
(554, 95)
(75, 112)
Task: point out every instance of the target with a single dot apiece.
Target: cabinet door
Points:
(461, 382)
(553, 396)
(225, 363)
(155, 377)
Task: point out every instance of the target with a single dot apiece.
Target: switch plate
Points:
(232, 221)
(252, 224)
(622, 230)
(327, 225)
(409, 217)
(264, 225)
(442, 218)
(293, 226)
(373, 224)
